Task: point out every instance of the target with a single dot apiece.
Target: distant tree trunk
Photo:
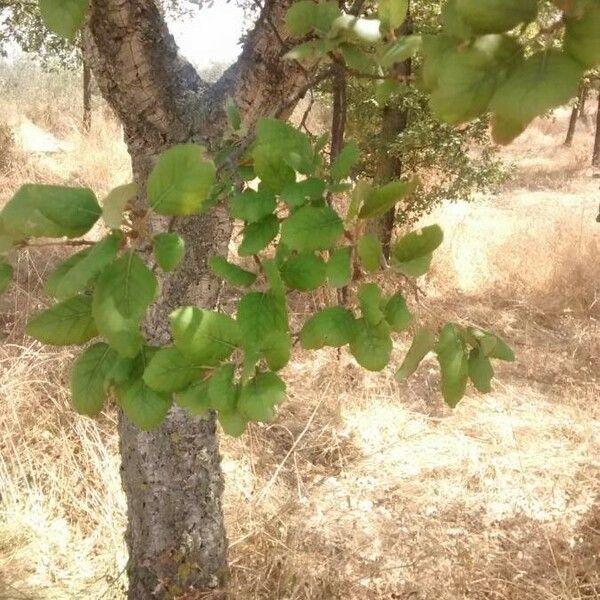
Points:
(87, 97)
(172, 476)
(596, 154)
(575, 113)
(393, 122)
(584, 97)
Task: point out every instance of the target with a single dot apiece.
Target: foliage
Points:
(298, 240)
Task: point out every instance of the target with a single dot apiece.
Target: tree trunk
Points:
(393, 122)
(172, 476)
(87, 97)
(576, 113)
(596, 154)
(584, 97)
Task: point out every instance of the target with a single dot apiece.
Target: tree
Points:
(208, 362)
(596, 152)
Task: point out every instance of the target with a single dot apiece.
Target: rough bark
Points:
(87, 97)
(172, 476)
(596, 153)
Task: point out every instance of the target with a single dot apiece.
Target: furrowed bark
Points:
(172, 476)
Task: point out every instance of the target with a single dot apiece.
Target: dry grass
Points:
(362, 488)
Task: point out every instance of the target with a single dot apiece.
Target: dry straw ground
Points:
(362, 488)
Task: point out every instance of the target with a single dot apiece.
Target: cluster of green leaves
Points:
(473, 66)
(216, 361)
(298, 240)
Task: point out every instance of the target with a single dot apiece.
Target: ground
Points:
(362, 487)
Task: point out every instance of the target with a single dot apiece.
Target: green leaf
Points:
(397, 314)
(195, 398)
(273, 171)
(393, 12)
(231, 273)
(273, 275)
(260, 395)
(347, 158)
(371, 303)
(582, 40)
(257, 236)
(359, 194)
(304, 272)
(333, 326)
(122, 295)
(465, 87)
(356, 58)
(66, 323)
(401, 50)
(169, 250)
(339, 267)
(453, 22)
(284, 143)
(276, 348)
(64, 17)
(365, 30)
(481, 371)
(412, 254)
(298, 193)
(6, 276)
(76, 273)
(50, 211)
(204, 336)
(233, 423)
(370, 252)
(437, 49)
(496, 16)
(234, 118)
(116, 203)
(309, 51)
(88, 377)
(371, 345)
(454, 364)
(222, 389)
(380, 200)
(500, 349)
(259, 315)
(304, 16)
(312, 228)
(251, 206)
(144, 407)
(423, 343)
(169, 370)
(536, 85)
(181, 181)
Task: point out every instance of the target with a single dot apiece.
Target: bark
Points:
(172, 477)
(596, 153)
(389, 166)
(575, 113)
(87, 97)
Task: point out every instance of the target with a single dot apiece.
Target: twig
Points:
(61, 243)
(275, 475)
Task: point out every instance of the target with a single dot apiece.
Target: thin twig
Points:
(61, 243)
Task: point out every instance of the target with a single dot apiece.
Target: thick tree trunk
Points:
(172, 477)
(87, 97)
(596, 153)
